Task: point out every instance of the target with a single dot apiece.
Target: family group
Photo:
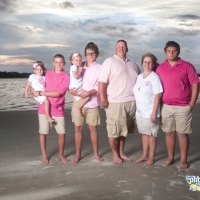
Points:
(164, 94)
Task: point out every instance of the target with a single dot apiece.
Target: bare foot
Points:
(142, 159)
(124, 157)
(80, 111)
(45, 161)
(98, 158)
(149, 162)
(117, 160)
(183, 166)
(167, 163)
(76, 159)
(63, 159)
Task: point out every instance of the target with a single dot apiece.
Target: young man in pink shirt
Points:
(116, 81)
(57, 83)
(90, 110)
(181, 88)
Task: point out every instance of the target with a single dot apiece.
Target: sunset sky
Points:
(33, 30)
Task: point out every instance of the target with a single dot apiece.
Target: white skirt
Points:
(145, 126)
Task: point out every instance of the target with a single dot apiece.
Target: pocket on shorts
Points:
(111, 126)
(188, 109)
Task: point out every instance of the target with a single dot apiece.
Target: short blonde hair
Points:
(73, 55)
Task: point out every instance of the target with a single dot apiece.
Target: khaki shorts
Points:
(176, 118)
(145, 126)
(120, 119)
(44, 125)
(91, 115)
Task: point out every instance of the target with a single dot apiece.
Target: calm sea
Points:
(12, 96)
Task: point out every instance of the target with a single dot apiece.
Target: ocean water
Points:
(12, 96)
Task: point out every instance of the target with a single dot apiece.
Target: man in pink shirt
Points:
(181, 88)
(116, 81)
(90, 110)
(57, 82)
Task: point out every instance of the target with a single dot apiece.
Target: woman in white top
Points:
(148, 91)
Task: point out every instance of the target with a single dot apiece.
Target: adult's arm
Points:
(83, 93)
(155, 107)
(89, 93)
(102, 90)
(55, 94)
(195, 92)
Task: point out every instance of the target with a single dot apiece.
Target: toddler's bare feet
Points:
(45, 161)
(63, 159)
(76, 159)
(142, 159)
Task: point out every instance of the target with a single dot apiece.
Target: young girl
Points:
(37, 82)
(76, 78)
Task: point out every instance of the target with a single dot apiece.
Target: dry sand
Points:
(23, 177)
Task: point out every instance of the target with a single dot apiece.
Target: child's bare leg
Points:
(45, 160)
(82, 103)
(145, 146)
(46, 109)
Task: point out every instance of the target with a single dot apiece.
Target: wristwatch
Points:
(39, 93)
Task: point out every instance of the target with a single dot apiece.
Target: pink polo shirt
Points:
(177, 81)
(120, 77)
(90, 81)
(55, 82)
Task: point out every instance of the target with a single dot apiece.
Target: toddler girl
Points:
(37, 82)
(76, 79)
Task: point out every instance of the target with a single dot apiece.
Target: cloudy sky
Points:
(37, 30)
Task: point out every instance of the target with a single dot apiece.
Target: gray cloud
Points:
(63, 5)
(188, 16)
(66, 4)
(7, 5)
(185, 24)
(11, 33)
(113, 30)
(172, 31)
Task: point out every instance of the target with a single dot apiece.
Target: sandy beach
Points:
(23, 177)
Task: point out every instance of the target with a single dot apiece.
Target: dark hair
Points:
(123, 42)
(93, 47)
(59, 56)
(172, 44)
(41, 64)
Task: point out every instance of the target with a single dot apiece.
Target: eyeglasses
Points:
(91, 54)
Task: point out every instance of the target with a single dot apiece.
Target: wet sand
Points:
(23, 177)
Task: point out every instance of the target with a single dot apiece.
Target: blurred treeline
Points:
(14, 74)
(19, 75)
